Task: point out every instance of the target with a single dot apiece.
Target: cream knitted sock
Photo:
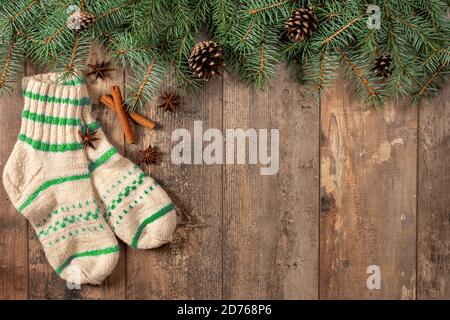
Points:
(48, 180)
(138, 210)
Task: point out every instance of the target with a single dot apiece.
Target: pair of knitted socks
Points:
(76, 199)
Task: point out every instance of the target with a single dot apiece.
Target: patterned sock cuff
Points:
(52, 114)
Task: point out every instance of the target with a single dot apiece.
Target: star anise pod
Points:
(169, 101)
(149, 155)
(88, 137)
(100, 69)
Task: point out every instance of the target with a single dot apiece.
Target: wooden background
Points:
(356, 187)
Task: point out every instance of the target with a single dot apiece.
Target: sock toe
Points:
(153, 234)
(89, 267)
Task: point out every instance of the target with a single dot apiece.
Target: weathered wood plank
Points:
(271, 222)
(368, 198)
(13, 227)
(190, 267)
(433, 274)
(44, 282)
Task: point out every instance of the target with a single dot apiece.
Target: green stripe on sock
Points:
(42, 118)
(43, 146)
(50, 119)
(47, 184)
(91, 253)
(102, 159)
(93, 126)
(148, 220)
(74, 82)
(44, 98)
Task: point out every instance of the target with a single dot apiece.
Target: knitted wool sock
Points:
(138, 210)
(48, 181)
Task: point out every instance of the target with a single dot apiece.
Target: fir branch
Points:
(54, 58)
(319, 83)
(433, 54)
(180, 48)
(371, 91)
(431, 79)
(25, 9)
(50, 38)
(124, 52)
(261, 65)
(27, 36)
(141, 33)
(223, 14)
(7, 63)
(110, 12)
(424, 36)
(224, 18)
(70, 65)
(334, 35)
(249, 29)
(268, 7)
(138, 94)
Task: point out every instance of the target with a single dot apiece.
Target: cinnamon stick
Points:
(122, 115)
(108, 101)
(143, 121)
(136, 117)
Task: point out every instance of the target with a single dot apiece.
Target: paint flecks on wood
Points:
(267, 228)
(368, 180)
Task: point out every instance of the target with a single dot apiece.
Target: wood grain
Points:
(382, 200)
(433, 276)
(368, 197)
(190, 267)
(271, 222)
(44, 282)
(13, 227)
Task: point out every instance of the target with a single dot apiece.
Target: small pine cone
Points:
(80, 20)
(87, 19)
(301, 24)
(206, 59)
(382, 65)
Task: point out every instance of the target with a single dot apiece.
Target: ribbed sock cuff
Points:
(52, 114)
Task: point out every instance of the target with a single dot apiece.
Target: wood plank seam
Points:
(222, 209)
(319, 206)
(417, 199)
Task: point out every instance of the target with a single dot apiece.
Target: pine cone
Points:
(381, 66)
(87, 19)
(301, 24)
(206, 59)
(81, 20)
